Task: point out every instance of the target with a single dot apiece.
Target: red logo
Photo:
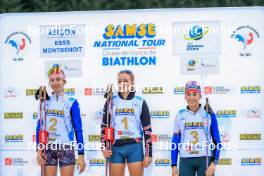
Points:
(88, 91)
(154, 138)
(8, 161)
(119, 133)
(208, 90)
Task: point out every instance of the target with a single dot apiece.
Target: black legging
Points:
(191, 166)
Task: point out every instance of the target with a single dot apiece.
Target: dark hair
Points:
(129, 72)
(131, 75)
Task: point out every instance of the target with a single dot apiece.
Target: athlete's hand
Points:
(81, 163)
(211, 169)
(107, 153)
(41, 159)
(147, 161)
(37, 95)
(175, 171)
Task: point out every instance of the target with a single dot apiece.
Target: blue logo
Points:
(196, 33)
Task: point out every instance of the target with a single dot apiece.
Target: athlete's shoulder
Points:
(182, 111)
(138, 98)
(70, 99)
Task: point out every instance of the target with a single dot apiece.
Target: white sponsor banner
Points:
(196, 37)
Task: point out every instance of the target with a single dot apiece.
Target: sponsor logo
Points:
(160, 114)
(13, 115)
(225, 161)
(254, 113)
(248, 136)
(245, 36)
(162, 162)
(251, 161)
(10, 92)
(226, 114)
(97, 162)
(152, 90)
(14, 138)
(250, 89)
(93, 138)
(19, 42)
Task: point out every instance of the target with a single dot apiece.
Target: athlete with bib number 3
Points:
(131, 123)
(195, 128)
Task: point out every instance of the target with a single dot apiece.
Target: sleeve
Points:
(77, 124)
(175, 142)
(147, 130)
(103, 124)
(37, 133)
(216, 138)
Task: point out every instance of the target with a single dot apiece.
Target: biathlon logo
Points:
(197, 33)
(97, 162)
(250, 89)
(159, 114)
(162, 162)
(13, 115)
(225, 161)
(246, 37)
(10, 92)
(226, 113)
(254, 113)
(129, 44)
(250, 137)
(179, 90)
(20, 42)
(152, 90)
(14, 138)
(251, 161)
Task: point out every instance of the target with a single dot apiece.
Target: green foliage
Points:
(83, 5)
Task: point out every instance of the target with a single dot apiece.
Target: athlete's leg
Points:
(136, 169)
(118, 162)
(67, 161)
(67, 170)
(51, 170)
(186, 167)
(135, 159)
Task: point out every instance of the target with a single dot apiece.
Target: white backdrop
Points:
(220, 47)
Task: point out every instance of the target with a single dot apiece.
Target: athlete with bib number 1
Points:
(131, 123)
